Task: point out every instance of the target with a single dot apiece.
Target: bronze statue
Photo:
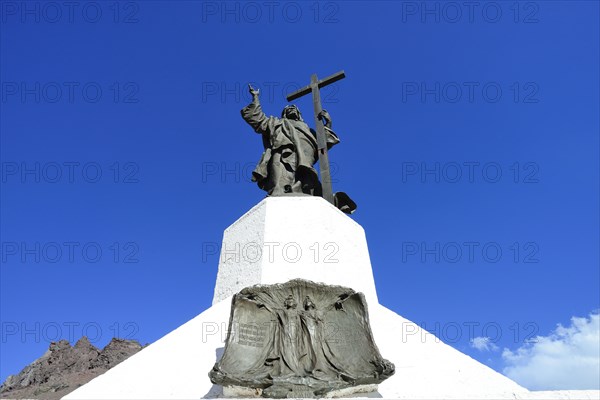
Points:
(291, 148)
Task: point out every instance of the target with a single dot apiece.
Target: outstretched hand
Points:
(253, 92)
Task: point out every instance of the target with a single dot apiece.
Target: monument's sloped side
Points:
(175, 367)
(284, 238)
(427, 368)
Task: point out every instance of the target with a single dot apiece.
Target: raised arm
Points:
(253, 113)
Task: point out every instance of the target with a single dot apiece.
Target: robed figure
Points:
(299, 338)
(290, 149)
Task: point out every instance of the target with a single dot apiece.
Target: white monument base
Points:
(249, 393)
(177, 365)
(282, 238)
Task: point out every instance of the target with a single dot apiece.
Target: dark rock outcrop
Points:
(63, 368)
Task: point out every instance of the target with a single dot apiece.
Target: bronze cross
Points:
(315, 85)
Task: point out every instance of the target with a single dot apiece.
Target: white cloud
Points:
(568, 358)
(483, 343)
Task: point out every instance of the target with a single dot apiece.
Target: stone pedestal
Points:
(284, 238)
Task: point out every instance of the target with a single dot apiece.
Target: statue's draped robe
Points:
(290, 151)
(317, 349)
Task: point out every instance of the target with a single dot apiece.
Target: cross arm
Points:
(322, 83)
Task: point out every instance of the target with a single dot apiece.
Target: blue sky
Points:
(470, 141)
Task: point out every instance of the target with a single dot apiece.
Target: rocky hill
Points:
(63, 368)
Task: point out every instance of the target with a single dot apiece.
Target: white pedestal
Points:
(283, 238)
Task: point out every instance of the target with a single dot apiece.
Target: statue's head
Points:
(290, 302)
(291, 112)
(308, 304)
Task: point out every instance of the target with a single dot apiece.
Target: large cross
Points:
(315, 85)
